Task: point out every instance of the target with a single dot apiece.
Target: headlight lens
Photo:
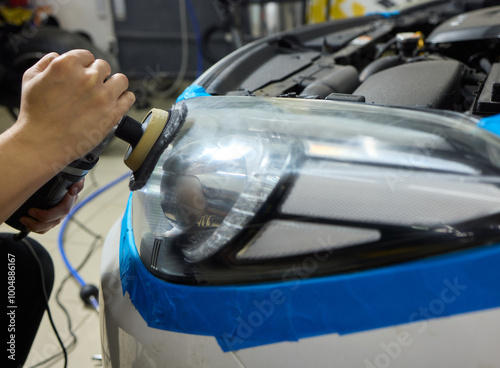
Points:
(250, 185)
(211, 190)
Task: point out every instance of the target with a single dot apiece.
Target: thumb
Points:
(40, 66)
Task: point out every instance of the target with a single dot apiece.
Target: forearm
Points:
(68, 106)
(25, 165)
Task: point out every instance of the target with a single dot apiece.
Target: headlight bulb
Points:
(199, 186)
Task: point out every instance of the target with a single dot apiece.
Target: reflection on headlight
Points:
(200, 185)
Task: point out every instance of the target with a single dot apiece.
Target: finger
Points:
(44, 62)
(125, 101)
(54, 213)
(118, 83)
(123, 104)
(41, 65)
(102, 68)
(38, 226)
(84, 57)
(76, 188)
(42, 221)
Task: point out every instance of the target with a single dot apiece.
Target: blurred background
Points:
(156, 43)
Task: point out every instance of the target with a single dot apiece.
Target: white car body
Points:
(465, 340)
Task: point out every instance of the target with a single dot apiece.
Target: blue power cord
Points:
(89, 292)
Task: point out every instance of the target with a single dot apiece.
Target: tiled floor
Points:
(98, 216)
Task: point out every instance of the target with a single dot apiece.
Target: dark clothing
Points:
(25, 303)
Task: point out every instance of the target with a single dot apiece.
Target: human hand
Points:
(68, 105)
(42, 221)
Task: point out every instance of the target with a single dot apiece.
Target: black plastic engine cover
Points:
(472, 26)
(432, 84)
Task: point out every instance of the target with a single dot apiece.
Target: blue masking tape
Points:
(385, 14)
(192, 91)
(491, 124)
(245, 316)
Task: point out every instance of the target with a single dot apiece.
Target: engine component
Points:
(343, 79)
(489, 100)
(408, 42)
(380, 64)
(433, 84)
(432, 55)
(472, 26)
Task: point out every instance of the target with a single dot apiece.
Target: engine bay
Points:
(438, 55)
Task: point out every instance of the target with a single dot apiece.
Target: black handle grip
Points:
(53, 192)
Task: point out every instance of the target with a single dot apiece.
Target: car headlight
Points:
(248, 189)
